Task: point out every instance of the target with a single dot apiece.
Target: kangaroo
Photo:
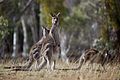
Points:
(101, 58)
(94, 56)
(34, 53)
(50, 50)
(47, 50)
(87, 55)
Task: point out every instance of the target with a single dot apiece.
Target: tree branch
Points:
(1, 1)
(17, 18)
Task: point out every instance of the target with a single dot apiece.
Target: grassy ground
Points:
(62, 72)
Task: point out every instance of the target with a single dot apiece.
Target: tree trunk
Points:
(35, 18)
(113, 10)
(15, 42)
(25, 43)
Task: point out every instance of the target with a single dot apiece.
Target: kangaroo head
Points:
(55, 19)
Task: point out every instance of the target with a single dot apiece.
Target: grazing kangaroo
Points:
(87, 55)
(50, 50)
(94, 56)
(101, 58)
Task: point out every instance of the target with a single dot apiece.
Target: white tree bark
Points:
(15, 42)
(25, 43)
(64, 48)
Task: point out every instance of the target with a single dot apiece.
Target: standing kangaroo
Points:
(34, 53)
(47, 50)
(51, 46)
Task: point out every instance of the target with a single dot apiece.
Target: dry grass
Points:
(62, 72)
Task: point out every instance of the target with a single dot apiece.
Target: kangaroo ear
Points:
(51, 14)
(47, 29)
(43, 30)
(58, 14)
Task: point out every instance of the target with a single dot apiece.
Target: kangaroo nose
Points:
(55, 21)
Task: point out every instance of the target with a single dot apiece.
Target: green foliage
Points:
(3, 27)
(77, 24)
(79, 13)
(76, 20)
(112, 8)
(9, 9)
(105, 34)
(3, 21)
(52, 6)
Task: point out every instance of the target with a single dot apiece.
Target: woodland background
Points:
(84, 24)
